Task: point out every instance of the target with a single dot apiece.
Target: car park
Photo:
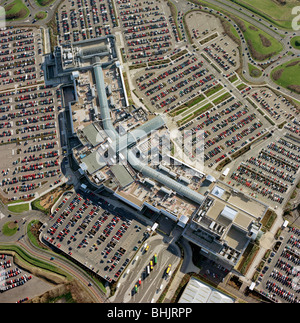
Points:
(13, 277)
(80, 20)
(278, 108)
(102, 241)
(273, 172)
(227, 127)
(280, 282)
(28, 118)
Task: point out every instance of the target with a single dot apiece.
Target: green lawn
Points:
(16, 10)
(44, 3)
(40, 15)
(287, 74)
(233, 78)
(280, 15)
(20, 253)
(194, 114)
(258, 48)
(295, 42)
(213, 90)
(19, 208)
(9, 228)
(252, 34)
(221, 98)
(254, 71)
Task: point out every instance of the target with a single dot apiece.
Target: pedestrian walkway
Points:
(266, 242)
(174, 286)
(187, 266)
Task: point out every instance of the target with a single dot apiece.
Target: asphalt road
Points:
(150, 285)
(283, 36)
(149, 290)
(183, 5)
(21, 240)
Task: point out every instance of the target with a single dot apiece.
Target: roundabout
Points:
(10, 228)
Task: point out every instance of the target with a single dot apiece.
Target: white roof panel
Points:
(198, 292)
(229, 213)
(217, 191)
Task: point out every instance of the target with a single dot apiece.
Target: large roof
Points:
(92, 135)
(217, 191)
(165, 180)
(140, 133)
(122, 175)
(147, 127)
(229, 213)
(104, 109)
(93, 162)
(199, 292)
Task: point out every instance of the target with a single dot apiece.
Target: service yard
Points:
(104, 242)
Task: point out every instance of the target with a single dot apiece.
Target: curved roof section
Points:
(104, 109)
(210, 178)
(164, 179)
(132, 159)
(140, 133)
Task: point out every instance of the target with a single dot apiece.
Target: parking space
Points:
(147, 31)
(18, 285)
(29, 129)
(293, 126)
(213, 271)
(228, 126)
(280, 277)
(102, 241)
(20, 58)
(279, 109)
(224, 56)
(177, 84)
(10, 275)
(28, 121)
(208, 36)
(82, 19)
(271, 172)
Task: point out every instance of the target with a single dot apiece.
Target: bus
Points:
(155, 259)
(146, 248)
(148, 270)
(135, 288)
(151, 265)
